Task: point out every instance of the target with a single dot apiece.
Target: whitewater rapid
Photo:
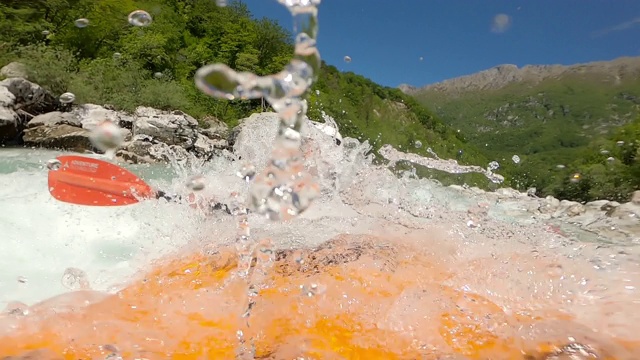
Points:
(42, 237)
(506, 256)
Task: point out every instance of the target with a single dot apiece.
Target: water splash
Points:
(449, 166)
(283, 190)
(196, 183)
(106, 136)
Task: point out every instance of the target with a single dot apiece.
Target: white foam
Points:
(41, 237)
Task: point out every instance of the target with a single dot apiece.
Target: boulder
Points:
(9, 125)
(30, 97)
(7, 99)
(206, 148)
(508, 193)
(14, 70)
(61, 136)
(214, 129)
(171, 128)
(91, 115)
(55, 118)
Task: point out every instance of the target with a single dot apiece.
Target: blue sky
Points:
(386, 39)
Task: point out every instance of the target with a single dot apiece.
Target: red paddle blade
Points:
(87, 181)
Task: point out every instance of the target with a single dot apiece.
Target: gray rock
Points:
(635, 197)
(7, 99)
(61, 136)
(508, 193)
(91, 115)
(9, 124)
(172, 128)
(206, 148)
(597, 204)
(13, 70)
(55, 118)
(139, 145)
(576, 209)
(214, 129)
(30, 97)
(133, 158)
(532, 192)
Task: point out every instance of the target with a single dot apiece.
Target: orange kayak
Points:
(355, 297)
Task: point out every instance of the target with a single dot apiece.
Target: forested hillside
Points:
(560, 121)
(112, 62)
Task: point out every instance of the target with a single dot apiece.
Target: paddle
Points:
(87, 181)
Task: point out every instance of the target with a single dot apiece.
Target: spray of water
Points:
(284, 189)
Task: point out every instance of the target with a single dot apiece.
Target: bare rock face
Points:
(10, 125)
(20, 100)
(503, 75)
(30, 97)
(58, 136)
(91, 115)
(214, 129)
(172, 128)
(55, 118)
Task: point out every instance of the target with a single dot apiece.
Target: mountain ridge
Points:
(502, 75)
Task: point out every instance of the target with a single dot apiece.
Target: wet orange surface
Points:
(352, 298)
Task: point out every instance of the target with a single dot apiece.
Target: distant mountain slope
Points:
(547, 115)
(498, 77)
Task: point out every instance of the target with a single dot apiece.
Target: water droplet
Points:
(298, 258)
(106, 136)
(54, 164)
(313, 289)
(81, 23)
(576, 178)
(418, 144)
(283, 190)
(75, 279)
(67, 98)
(139, 18)
(196, 183)
(500, 23)
(17, 308)
(516, 159)
(247, 172)
(114, 352)
(347, 59)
